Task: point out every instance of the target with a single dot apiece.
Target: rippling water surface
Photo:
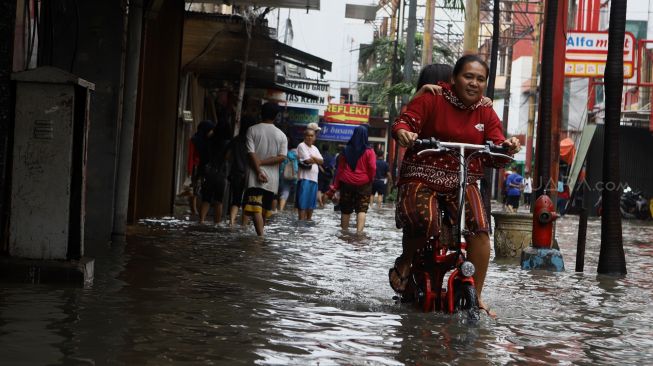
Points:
(181, 293)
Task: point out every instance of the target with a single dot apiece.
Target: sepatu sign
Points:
(347, 113)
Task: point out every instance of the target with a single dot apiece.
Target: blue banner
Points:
(336, 132)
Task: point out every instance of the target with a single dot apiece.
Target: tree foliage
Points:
(376, 65)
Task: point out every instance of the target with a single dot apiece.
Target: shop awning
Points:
(214, 48)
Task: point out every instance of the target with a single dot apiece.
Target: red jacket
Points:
(193, 158)
(363, 174)
(436, 116)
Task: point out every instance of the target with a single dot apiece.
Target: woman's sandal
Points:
(488, 310)
(402, 280)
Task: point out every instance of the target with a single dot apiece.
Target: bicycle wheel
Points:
(466, 301)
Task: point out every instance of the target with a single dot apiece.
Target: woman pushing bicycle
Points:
(430, 183)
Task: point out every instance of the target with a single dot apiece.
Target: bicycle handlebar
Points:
(432, 143)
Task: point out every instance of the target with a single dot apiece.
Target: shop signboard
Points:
(314, 87)
(587, 52)
(336, 132)
(302, 116)
(347, 113)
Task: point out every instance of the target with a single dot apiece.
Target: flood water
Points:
(307, 294)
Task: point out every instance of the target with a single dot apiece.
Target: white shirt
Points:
(304, 152)
(265, 140)
(528, 185)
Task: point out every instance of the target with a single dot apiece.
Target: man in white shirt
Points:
(527, 184)
(267, 147)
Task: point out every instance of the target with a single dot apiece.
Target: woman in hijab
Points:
(356, 170)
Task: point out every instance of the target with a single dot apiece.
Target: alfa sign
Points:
(347, 113)
(586, 54)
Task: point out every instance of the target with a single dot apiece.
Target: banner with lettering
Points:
(314, 87)
(347, 113)
(336, 132)
(302, 116)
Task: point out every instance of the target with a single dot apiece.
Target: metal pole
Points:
(123, 174)
(543, 157)
(582, 238)
(506, 103)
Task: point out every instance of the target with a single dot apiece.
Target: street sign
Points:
(347, 113)
(586, 54)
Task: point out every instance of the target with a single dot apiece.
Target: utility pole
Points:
(392, 109)
(612, 259)
(506, 103)
(532, 94)
(472, 25)
(427, 50)
(494, 53)
(410, 44)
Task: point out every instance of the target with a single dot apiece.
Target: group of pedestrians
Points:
(263, 166)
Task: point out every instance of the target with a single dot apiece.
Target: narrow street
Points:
(180, 293)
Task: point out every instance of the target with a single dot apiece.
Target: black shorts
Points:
(212, 191)
(379, 187)
(513, 201)
(236, 190)
(258, 200)
(323, 185)
(196, 182)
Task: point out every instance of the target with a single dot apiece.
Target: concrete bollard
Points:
(512, 233)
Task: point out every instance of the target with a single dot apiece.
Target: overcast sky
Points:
(327, 34)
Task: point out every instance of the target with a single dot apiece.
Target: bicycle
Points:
(431, 263)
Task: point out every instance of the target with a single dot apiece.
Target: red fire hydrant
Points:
(543, 216)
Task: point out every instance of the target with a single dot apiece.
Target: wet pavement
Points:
(181, 293)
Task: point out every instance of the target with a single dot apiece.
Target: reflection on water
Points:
(309, 293)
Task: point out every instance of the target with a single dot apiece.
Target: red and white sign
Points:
(347, 113)
(586, 54)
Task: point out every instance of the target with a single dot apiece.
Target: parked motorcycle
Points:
(634, 205)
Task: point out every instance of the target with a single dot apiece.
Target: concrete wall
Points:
(7, 13)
